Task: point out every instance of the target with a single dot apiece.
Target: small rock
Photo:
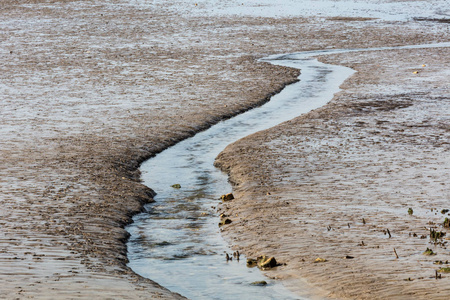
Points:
(176, 186)
(251, 262)
(259, 283)
(227, 197)
(320, 260)
(225, 222)
(265, 262)
(410, 211)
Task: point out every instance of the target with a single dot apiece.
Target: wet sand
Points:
(91, 89)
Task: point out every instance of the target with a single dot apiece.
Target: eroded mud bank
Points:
(332, 183)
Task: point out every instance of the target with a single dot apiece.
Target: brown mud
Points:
(89, 89)
(338, 183)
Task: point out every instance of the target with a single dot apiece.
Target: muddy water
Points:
(177, 241)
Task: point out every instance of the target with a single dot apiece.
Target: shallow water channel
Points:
(177, 241)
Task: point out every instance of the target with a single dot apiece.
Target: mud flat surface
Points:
(89, 89)
(332, 183)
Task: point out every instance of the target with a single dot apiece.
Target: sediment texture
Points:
(338, 182)
(89, 89)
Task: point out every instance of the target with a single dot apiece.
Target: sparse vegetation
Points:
(429, 252)
(444, 270)
(435, 235)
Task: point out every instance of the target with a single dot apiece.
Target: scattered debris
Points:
(408, 279)
(434, 235)
(437, 275)
(396, 255)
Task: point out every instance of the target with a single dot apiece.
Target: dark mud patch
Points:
(436, 20)
(351, 19)
(381, 105)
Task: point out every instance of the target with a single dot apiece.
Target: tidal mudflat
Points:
(89, 90)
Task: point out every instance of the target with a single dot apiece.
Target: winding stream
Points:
(177, 241)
